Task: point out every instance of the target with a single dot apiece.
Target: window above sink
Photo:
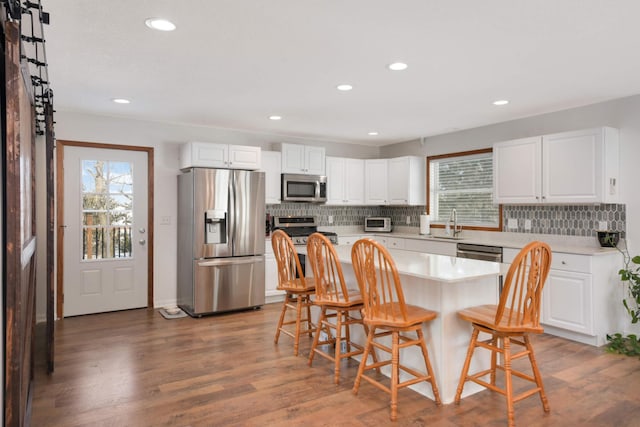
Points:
(463, 181)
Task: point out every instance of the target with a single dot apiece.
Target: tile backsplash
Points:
(569, 220)
(566, 220)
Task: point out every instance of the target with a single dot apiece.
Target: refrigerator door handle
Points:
(230, 261)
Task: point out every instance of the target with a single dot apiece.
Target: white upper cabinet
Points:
(581, 166)
(376, 182)
(517, 171)
(212, 155)
(303, 159)
(271, 167)
(397, 181)
(568, 167)
(345, 181)
(407, 180)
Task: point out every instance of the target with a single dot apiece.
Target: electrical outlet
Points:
(408, 220)
(603, 225)
(512, 223)
(343, 347)
(527, 224)
(165, 220)
(330, 219)
(323, 336)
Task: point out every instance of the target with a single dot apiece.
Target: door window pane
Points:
(107, 209)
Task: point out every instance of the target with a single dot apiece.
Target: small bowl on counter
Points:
(608, 239)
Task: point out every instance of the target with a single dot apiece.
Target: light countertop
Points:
(566, 244)
(441, 268)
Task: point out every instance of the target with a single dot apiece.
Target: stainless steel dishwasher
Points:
(483, 253)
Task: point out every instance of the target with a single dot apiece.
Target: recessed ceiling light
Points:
(344, 87)
(374, 133)
(398, 66)
(121, 101)
(275, 117)
(160, 24)
(501, 102)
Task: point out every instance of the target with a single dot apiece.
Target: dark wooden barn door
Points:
(19, 233)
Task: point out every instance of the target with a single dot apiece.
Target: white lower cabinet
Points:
(431, 247)
(349, 240)
(582, 299)
(406, 243)
(566, 301)
(272, 294)
(394, 242)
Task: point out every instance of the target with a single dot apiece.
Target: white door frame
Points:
(60, 144)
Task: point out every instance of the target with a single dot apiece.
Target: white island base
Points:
(443, 284)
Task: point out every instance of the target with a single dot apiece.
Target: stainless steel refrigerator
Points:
(221, 240)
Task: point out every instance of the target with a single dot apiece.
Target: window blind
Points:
(465, 183)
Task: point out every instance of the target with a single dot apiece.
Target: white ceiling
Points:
(232, 63)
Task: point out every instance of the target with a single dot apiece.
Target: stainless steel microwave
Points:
(304, 188)
(377, 223)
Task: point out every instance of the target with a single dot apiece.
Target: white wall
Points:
(166, 140)
(623, 114)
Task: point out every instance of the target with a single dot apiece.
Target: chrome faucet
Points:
(456, 228)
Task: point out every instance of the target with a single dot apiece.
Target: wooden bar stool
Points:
(335, 302)
(386, 313)
(510, 322)
(298, 289)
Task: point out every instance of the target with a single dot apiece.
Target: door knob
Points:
(141, 230)
(142, 241)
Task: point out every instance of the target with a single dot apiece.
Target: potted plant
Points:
(630, 277)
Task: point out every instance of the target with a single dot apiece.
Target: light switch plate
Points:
(512, 223)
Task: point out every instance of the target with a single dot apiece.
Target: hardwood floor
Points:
(135, 368)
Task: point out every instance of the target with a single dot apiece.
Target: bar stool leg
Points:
(427, 362)
(363, 362)
(467, 362)
(508, 380)
(316, 338)
(338, 347)
(395, 362)
(296, 338)
(287, 300)
(537, 375)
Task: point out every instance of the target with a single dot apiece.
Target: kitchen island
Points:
(444, 284)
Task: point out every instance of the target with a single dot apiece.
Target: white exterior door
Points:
(105, 230)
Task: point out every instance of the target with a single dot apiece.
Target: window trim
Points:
(459, 154)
